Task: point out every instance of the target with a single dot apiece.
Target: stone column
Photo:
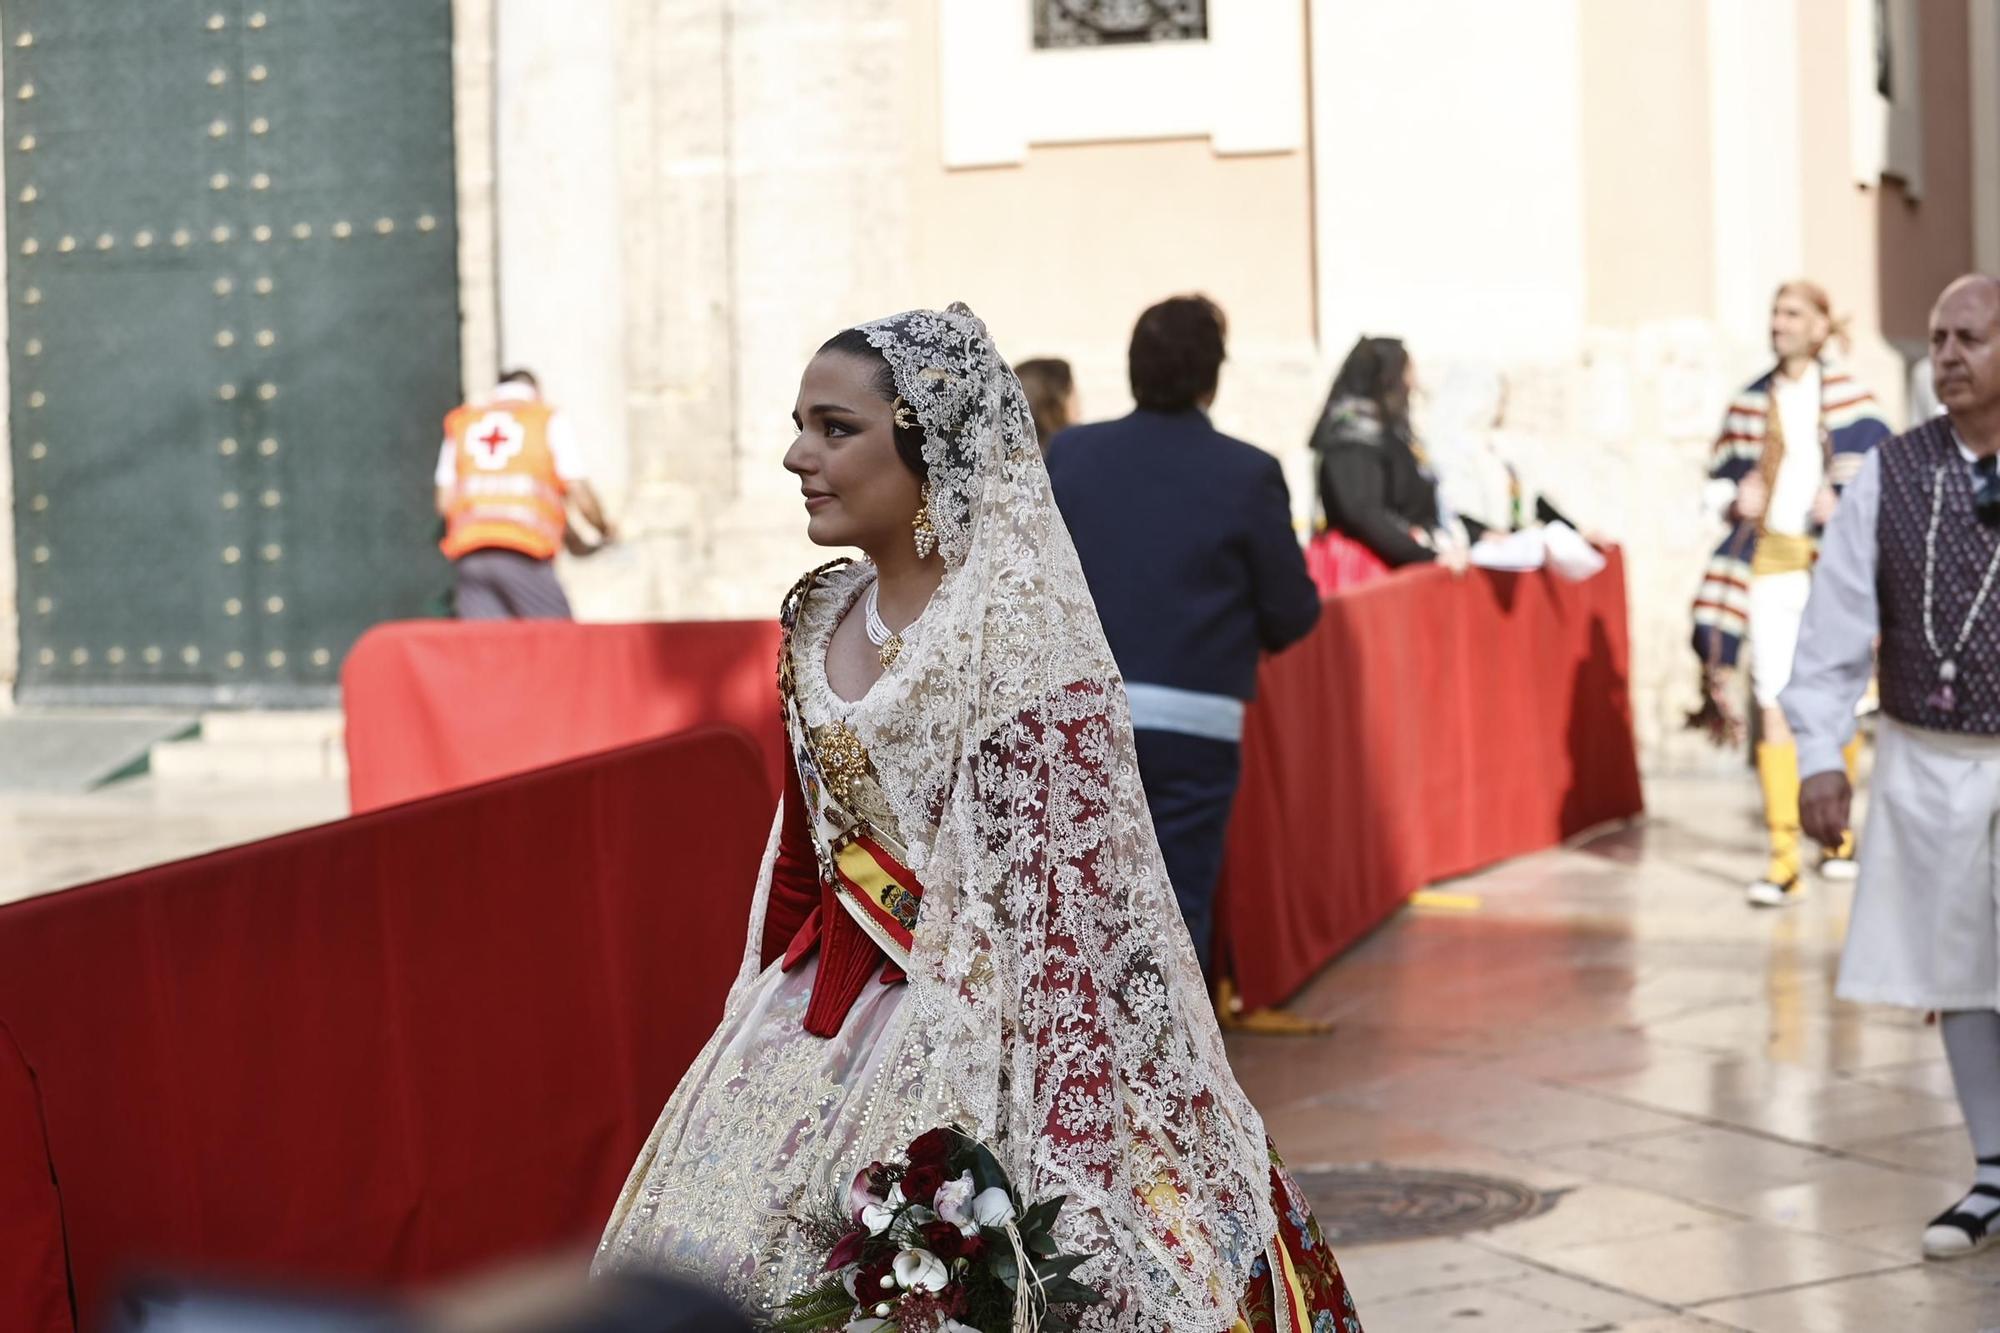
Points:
(472, 77)
(561, 264)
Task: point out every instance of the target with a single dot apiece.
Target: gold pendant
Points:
(892, 648)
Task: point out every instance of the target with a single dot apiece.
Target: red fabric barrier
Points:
(379, 1051)
(1429, 726)
(438, 704)
(34, 1278)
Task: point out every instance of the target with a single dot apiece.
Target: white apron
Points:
(1925, 933)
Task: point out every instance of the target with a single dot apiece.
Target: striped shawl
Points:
(1850, 425)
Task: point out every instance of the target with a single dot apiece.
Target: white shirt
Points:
(1803, 471)
(562, 440)
(1836, 652)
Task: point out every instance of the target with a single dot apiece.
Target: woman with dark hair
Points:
(1378, 496)
(963, 917)
(1051, 389)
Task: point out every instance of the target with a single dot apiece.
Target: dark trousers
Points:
(497, 584)
(1191, 784)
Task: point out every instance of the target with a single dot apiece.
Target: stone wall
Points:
(764, 206)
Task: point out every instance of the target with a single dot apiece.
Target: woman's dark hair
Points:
(909, 439)
(1375, 370)
(1047, 381)
(1176, 355)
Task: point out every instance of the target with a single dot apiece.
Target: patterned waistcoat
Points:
(1913, 467)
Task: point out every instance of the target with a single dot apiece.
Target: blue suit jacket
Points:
(1186, 539)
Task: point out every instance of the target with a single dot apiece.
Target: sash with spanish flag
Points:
(868, 898)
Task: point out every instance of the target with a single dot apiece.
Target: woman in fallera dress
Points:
(962, 916)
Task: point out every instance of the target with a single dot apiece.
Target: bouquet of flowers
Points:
(938, 1243)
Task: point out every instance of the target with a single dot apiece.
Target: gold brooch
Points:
(843, 760)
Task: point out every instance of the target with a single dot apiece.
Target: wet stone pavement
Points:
(1719, 1143)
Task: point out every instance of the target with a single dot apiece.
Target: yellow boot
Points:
(1839, 863)
(1778, 771)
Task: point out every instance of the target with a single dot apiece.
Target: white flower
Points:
(877, 1216)
(993, 1208)
(953, 1326)
(954, 1203)
(920, 1270)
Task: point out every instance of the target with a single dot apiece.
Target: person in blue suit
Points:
(1186, 540)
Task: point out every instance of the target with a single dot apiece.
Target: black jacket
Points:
(1371, 486)
(1186, 539)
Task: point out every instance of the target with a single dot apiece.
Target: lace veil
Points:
(1053, 981)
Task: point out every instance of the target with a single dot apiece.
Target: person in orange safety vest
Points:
(507, 476)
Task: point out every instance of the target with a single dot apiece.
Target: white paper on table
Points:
(1569, 555)
(1517, 552)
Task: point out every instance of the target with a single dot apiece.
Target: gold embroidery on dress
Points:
(737, 1171)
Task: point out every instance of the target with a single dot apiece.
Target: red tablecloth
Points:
(433, 705)
(1429, 726)
(382, 1050)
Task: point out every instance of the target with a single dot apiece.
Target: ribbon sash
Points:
(879, 892)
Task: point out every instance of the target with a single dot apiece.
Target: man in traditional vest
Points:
(1912, 557)
(1789, 443)
(509, 470)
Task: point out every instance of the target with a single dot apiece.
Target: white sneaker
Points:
(1959, 1230)
(1839, 868)
(1770, 893)
(1949, 1242)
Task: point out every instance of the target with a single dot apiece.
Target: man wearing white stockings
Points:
(1912, 556)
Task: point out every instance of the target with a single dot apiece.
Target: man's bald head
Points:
(1965, 351)
(1982, 287)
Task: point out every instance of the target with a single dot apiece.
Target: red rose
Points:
(920, 1184)
(868, 1288)
(932, 1148)
(972, 1247)
(848, 1250)
(942, 1239)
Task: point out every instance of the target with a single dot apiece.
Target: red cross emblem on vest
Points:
(495, 441)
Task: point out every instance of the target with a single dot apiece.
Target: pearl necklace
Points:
(886, 641)
(1945, 697)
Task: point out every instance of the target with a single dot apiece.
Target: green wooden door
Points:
(233, 333)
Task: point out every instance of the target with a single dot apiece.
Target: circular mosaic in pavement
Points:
(1362, 1205)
